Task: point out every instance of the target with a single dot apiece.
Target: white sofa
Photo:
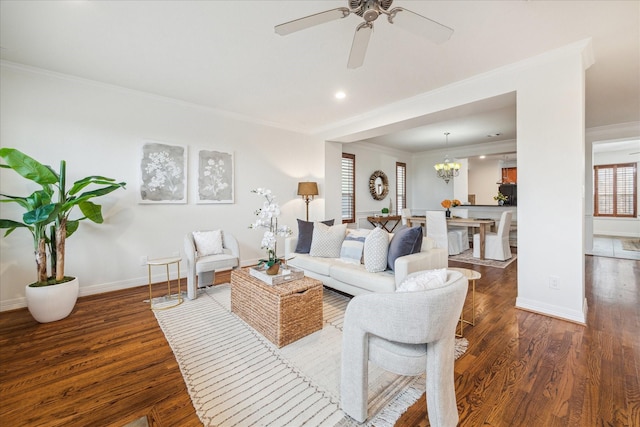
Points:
(354, 279)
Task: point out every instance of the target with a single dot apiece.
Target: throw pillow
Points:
(305, 234)
(376, 246)
(424, 280)
(208, 242)
(353, 246)
(405, 242)
(327, 241)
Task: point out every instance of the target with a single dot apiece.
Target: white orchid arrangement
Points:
(268, 219)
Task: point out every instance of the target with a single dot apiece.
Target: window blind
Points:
(401, 186)
(615, 190)
(348, 187)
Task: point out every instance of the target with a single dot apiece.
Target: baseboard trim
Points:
(554, 311)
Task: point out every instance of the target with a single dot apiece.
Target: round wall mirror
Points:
(378, 185)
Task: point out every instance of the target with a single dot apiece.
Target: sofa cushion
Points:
(305, 235)
(313, 264)
(356, 275)
(405, 242)
(376, 247)
(327, 241)
(424, 280)
(216, 262)
(208, 242)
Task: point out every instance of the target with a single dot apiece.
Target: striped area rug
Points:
(235, 377)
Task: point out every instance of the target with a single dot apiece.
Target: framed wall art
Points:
(163, 173)
(215, 177)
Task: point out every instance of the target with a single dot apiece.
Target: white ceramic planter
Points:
(51, 303)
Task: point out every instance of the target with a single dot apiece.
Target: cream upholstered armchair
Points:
(405, 333)
(206, 252)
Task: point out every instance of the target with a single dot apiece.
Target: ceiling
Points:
(225, 55)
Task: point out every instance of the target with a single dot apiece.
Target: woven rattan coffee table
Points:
(281, 313)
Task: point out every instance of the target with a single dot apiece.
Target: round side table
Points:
(472, 275)
(166, 262)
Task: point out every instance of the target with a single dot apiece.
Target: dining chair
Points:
(406, 212)
(496, 245)
(462, 233)
(437, 230)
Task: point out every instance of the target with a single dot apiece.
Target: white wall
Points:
(99, 129)
(368, 160)
(483, 176)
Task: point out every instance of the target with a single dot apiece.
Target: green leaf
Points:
(41, 215)
(72, 226)
(92, 211)
(8, 223)
(97, 180)
(28, 167)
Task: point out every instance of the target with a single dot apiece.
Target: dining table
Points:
(480, 223)
(382, 221)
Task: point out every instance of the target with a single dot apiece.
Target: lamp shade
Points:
(307, 189)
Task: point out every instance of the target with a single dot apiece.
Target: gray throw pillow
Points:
(405, 242)
(376, 245)
(305, 235)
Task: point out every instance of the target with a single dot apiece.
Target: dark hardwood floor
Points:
(109, 363)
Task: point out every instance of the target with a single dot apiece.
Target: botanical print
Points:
(215, 177)
(163, 173)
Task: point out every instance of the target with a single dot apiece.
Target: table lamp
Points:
(307, 190)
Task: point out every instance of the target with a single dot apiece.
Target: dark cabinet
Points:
(511, 191)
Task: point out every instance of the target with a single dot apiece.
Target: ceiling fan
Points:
(370, 10)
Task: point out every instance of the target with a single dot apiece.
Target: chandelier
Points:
(447, 169)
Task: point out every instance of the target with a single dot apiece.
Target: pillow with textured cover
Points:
(353, 246)
(208, 242)
(376, 247)
(424, 280)
(405, 242)
(327, 241)
(305, 234)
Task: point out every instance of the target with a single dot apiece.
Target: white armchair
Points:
(405, 333)
(205, 266)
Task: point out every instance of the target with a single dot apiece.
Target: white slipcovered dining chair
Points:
(406, 333)
(206, 252)
(496, 245)
(405, 213)
(462, 233)
(437, 230)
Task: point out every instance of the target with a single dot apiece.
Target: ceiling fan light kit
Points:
(370, 10)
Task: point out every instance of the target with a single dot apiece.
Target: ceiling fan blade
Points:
(359, 45)
(419, 25)
(312, 20)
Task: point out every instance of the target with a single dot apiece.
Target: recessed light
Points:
(482, 157)
(340, 95)
(491, 135)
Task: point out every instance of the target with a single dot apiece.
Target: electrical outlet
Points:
(143, 260)
(554, 282)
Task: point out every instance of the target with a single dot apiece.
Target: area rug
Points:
(631, 244)
(235, 377)
(467, 256)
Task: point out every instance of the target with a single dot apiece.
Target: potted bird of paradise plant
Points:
(48, 218)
